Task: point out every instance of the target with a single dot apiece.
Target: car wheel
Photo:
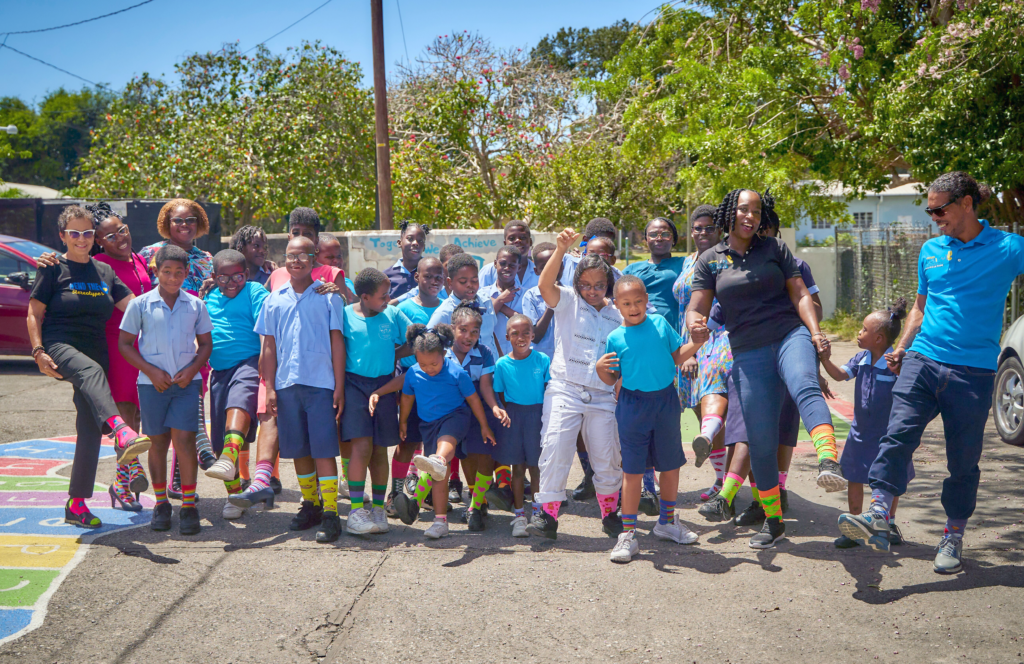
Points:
(1008, 401)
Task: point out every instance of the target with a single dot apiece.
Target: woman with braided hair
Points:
(773, 331)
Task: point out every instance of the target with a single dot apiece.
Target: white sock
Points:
(710, 425)
(717, 459)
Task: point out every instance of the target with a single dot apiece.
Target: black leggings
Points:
(86, 370)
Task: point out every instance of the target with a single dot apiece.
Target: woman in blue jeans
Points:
(774, 334)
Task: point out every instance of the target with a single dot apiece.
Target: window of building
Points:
(863, 219)
(820, 223)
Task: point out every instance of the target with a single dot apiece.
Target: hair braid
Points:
(725, 213)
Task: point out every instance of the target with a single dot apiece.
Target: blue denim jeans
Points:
(924, 389)
(761, 375)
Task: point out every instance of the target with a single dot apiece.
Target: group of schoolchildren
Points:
(502, 372)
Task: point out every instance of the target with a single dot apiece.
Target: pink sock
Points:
(123, 433)
(399, 468)
(710, 425)
(552, 508)
(717, 459)
(454, 465)
(78, 506)
(261, 478)
(782, 479)
(608, 503)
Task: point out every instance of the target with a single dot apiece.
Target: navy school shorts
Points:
(520, 443)
(235, 387)
(356, 421)
(305, 422)
(174, 408)
(454, 424)
(649, 430)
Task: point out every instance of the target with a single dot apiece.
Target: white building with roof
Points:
(903, 205)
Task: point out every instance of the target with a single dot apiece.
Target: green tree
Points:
(583, 50)
(258, 134)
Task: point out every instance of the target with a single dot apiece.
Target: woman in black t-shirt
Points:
(773, 330)
(67, 317)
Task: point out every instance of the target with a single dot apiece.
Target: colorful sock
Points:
(628, 522)
(202, 438)
(649, 480)
(233, 441)
(77, 506)
(536, 507)
(233, 486)
(423, 487)
(892, 520)
(710, 425)
(123, 478)
(732, 484)
(123, 434)
(261, 478)
(585, 462)
(344, 467)
(329, 493)
(188, 495)
(518, 512)
(771, 502)
(717, 459)
(668, 512)
(454, 465)
(782, 479)
(442, 518)
(608, 503)
(483, 483)
(160, 492)
(307, 485)
(755, 492)
(956, 527)
(355, 494)
(881, 502)
(552, 508)
(399, 469)
(824, 438)
(378, 492)
(243, 464)
(503, 475)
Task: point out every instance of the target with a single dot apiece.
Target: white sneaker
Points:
(435, 465)
(343, 489)
(360, 522)
(380, 520)
(675, 532)
(519, 527)
(437, 530)
(232, 512)
(222, 469)
(625, 548)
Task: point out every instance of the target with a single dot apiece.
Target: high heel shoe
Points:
(248, 498)
(124, 505)
(84, 520)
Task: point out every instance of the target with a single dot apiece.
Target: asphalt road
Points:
(252, 591)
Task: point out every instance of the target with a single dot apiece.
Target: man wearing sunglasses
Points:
(946, 361)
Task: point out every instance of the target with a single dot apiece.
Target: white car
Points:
(1008, 396)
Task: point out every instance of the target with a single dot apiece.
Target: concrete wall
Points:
(822, 261)
(380, 249)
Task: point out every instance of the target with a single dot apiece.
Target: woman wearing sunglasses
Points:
(68, 312)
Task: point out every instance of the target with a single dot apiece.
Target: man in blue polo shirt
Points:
(946, 361)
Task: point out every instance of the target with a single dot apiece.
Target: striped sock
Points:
(771, 502)
(483, 483)
(628, 522)
(243, 464)
(160, 492)
(668, 512)
(732, 484)
(329, 493)
(233, 441)
(355, 494)
(824, 438)
(307, 485)
(123, 478)
(233, 486)
(423, 487)
(378, 492)
(261, 478)
(755, 492)
(552, 508)
(188, 495)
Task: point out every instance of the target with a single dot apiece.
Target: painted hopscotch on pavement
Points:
(37, 549)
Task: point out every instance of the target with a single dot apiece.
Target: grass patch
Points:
(843, 324)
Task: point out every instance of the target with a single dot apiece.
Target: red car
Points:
(17, 274)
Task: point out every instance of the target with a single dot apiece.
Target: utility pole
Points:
(380, 108)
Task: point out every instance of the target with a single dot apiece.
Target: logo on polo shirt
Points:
(720, 265)
(949, 255)
(384, 331)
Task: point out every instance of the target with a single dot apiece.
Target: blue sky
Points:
(153, 37)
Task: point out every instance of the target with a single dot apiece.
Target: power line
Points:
(68, 25)
(32, 57)
(289, 27)
(398, 4)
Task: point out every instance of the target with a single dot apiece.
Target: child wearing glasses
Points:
(234, 306)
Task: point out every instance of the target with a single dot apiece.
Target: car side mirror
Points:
(19, 279)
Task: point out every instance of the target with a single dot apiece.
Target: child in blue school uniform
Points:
(374, 339)
(873, 401)
(519, 380)
(304, 370)
(173, 329)
(447, 402)
(644, 352)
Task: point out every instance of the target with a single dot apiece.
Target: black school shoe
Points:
(772, 531)
(476, 521)
(188, 521)
(612, 525)
(752, 516)
(161, 520)
(454, 490)
(543, 525)
(585, 490)
(330, 528)
(500, 497)
(309, 515)
(406, 508)
(717, 509)
(649, 504)
(275, 484)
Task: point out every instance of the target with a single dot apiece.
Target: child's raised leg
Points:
(236, 427)
(436, 465)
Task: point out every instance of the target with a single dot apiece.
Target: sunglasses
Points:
(940, 211)
(223, 279)
(74, 235)
(659, 236)
(702, 230)
(120, 232)
(183, 221)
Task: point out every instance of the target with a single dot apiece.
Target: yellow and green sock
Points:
(307, 485)
(423, 487)
(329, 493)
(233, 486)
(483, 482)
(233, 441)
(755, 492)
(770, 500)
(824, 438)
(732, 484)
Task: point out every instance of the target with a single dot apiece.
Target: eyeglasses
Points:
(940, 211)
(664, 235)
(74, 235)
(298, 258)
(596, 287)
(702, 230)
(601, 254)
(223, 279)
(184, 221)
(120, 232)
